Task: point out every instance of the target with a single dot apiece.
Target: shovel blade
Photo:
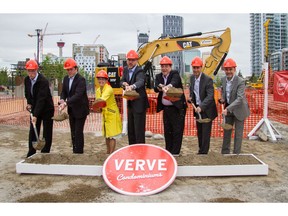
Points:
(226, 126)
(61, 117)
(38, 145)
(206, 120)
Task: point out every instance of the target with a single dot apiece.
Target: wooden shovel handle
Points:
(194, 106)
(222, 106)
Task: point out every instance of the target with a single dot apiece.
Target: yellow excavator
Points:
(148, 51)
(259, 83)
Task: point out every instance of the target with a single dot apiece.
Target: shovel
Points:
(39, 144)
(225, 125)
(200, 120)
(130, 95)
(61, 116)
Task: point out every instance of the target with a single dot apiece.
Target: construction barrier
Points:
(11, 109)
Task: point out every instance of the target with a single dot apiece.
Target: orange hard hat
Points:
(70, 63)
(102, 74)
(31, 65)
(166, 61)
(132, 54)
(197, 62)
(229, 63)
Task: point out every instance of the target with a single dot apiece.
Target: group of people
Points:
(235, 111)
(201, 95)
(40, 104)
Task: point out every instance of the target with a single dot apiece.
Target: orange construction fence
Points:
(277, 111)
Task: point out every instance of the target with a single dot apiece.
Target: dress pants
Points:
(77, 134)
(204, 134)
(174, 121)
(136, 127)
(238, 135)
(47, 135)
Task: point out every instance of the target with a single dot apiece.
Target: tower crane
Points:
(40, 36)
(96, 39)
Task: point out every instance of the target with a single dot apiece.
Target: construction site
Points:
(214, 179)
(16, 187)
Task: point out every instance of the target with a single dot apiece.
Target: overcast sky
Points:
(117, 30)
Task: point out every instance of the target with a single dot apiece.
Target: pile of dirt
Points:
(98, 159)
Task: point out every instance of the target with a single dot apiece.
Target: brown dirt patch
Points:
(75, 193)
(212, 158)
(59, 188)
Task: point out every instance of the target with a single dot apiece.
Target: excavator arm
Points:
(218, 53)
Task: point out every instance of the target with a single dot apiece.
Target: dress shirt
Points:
(196, 89)
(71, 81)
(33, 81)
(131, 71)
(164, 101)
(228, 89)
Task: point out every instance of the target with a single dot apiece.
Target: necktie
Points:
(32, 84)
(196, 91)
(130, 74)
(70, 83)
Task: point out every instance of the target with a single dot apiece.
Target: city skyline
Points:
(118, 33)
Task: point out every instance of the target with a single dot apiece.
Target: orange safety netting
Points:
(277, 111)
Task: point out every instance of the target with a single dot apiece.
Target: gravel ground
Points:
(184, 193)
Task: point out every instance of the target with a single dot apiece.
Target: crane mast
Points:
(40, 36)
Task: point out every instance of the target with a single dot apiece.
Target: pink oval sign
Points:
(140, 169)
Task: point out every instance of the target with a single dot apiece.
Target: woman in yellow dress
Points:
(111, 120)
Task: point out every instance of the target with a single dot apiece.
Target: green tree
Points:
(253, 78)
(217, 81)
(53, 70)
(186, 79)
(4, 76)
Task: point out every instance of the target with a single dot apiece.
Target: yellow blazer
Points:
(111, 122)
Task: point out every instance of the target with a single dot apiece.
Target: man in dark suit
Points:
(74, 96)
(173, 111)
(235, 104)
(202, 95)
(40, 104)
(134, 79)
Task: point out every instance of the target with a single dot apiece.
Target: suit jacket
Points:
(206, 93)
(175, 80)
(138, 79)
(76, 98)
(41, 100)
(238, 102)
